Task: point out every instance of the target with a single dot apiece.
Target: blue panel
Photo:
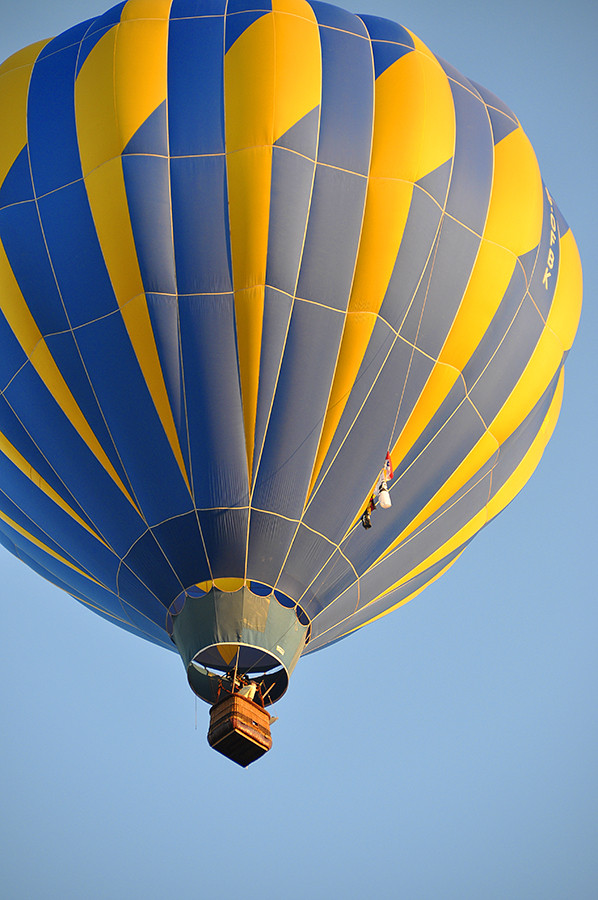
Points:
(298, 410)
(335, 17)
(386, 54)
(13, 430)
(12, 356)
(132, 419)
(73, 462)
(164, 316)
(347, 101)
(225, 535)
(147, 181)
(302, 137)
(152, 136)
(213, 401)
(89, 42)
(270, 537)
(146, 559)
(77, 259)
(332, 237)
(390, 41)
(151, 623)
(23, 241)
(309, 553)
(380, 29)
(337, 576)
(237, 23)
(240, 6)
(134, 591)
(277, 311)
(185, 9)
(53, 526)
(473, 165)
(38, 534)
(17, 185)
(181, 541)
(67, 357)
(195, 86)
(72, 36)
(292, 177)
(51, 130)
(200, 223)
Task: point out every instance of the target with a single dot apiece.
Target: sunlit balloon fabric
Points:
(246, 251)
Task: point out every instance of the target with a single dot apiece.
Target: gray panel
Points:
(302, 137)
(270, 537)
(497, 329)
(418, 239)
(298, 410)
(517, 444)
(332, 238)
(495, 385)
(471, 179)
(292, 178)
(277, 312)
(443, 285)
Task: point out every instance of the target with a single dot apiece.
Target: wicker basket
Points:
(239, 729)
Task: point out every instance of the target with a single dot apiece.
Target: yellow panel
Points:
(473, 462)
(13, 112)
(526, 467)
(405, 600)
(30, 338)
(97, 126)
(108, 201)
(466, 533)
(140, 68)
(25, 467)
(414, 117)
(249, 79)
(146, 9)
(227, 652)
(440, 382)
(516, 203)
(131, 57)
(537, 375)
(229, 584)
(25, 57)
(438, 125)
(298, 63)
(414, 133)
(386, 211)
(357, 332)
(566, 304)
(46, 549)
(489, 280)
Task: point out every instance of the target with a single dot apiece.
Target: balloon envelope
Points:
(247, 250)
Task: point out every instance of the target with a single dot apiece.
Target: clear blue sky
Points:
(447, 752)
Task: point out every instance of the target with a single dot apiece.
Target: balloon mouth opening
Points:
(209, 681)
(223, 636)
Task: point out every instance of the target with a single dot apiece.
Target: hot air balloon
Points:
(269, 273)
